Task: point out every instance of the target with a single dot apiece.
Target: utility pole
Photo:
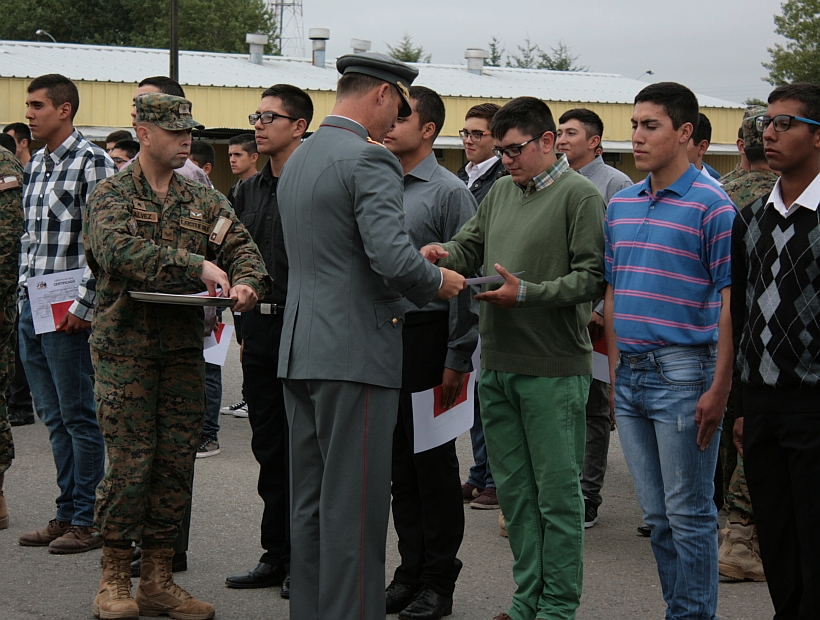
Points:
(173, 72)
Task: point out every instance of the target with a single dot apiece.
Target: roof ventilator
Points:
(475, 60)
(319, 37)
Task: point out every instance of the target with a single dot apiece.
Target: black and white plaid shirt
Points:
(56, 187)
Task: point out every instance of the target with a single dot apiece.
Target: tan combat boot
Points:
(114, 600)
(4, 511)
(157, 593)
(738, 557)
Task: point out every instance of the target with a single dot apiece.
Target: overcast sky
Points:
(715, 47)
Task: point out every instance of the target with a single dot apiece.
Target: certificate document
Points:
(51, 296)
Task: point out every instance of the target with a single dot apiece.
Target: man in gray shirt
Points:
(579, 137)
(438, 342)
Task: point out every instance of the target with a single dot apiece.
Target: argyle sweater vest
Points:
(776, 301)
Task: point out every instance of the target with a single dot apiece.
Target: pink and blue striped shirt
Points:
(667, 257)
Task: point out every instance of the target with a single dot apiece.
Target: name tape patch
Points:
(7, 183)
(146, 216)
(198, 226)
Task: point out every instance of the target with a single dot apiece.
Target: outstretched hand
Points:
(433, 252)
(507, 294)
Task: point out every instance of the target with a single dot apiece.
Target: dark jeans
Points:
(213, 400)
(266, 412)
(781, 454)
(481, 475)
(18, 395)
(427, 508)
(596, 450)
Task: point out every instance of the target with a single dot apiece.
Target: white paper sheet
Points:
(50, 297)
(489, 279)
(217, 344)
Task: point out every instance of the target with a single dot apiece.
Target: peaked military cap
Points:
(384, 68)
(751, 136)
(165, 111)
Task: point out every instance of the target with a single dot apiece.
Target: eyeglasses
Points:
(119, 160)
(268, 117)
(782, 122)
(514, 151)
(474, 135)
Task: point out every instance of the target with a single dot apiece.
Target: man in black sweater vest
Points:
(776, 319)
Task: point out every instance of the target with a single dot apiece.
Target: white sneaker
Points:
(241, 412)
(232, 408)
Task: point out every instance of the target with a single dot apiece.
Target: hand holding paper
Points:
(504, 296)
(214, 277)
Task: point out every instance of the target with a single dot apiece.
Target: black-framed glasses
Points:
(119, 160)
(267, 117)
(475, 135)
(782, 122)
(515, 150)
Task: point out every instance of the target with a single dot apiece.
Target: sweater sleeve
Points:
(738, 304)
(585, 242)
(467, 246)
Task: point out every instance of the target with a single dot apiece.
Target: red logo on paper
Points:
(437, 408)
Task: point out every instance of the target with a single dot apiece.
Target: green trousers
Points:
(535, 432)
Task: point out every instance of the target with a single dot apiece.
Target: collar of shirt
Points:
(68, 145)
(266, 174)
(424, 169)
(808, 199)
(679, 187)
(475, 171)
(592, 166)
(145, 190)
(549, 176)
(357, 127)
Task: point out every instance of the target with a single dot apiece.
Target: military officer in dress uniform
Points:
(350, 262)
(150, 229)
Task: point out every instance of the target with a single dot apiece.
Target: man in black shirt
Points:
(280, 121)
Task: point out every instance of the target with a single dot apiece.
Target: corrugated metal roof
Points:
(97, 63)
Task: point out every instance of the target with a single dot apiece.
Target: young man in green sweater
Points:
(545, 220)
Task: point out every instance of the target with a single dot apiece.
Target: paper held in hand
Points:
(51, 296)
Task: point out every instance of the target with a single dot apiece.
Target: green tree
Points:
(206, 25)
(496, 53)
(406, 52)
(755, 101)
(799, 60)
(528, 58)
(559, 59)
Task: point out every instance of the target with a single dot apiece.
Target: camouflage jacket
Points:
(11, 224)
(135, 242)
(751, 186)
(733, 175)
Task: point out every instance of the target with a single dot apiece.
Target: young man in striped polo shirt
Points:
(668, 271)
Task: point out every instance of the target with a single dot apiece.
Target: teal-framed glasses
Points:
(782, 122)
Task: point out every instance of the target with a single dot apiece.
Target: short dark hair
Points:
(203, 153)
(526, 114)
(808, 95)
(679, 103)
(246, 141)
(21, 131)
(164, 84)
(8, 143)
(356, 84)
(130, 146)
(429, 107)
(755, 154)
(483, 110)
(593, 125)
(120, 134)
(297, 103)
(703, 131)
(59, 89)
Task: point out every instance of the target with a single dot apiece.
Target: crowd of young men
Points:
(340, 254)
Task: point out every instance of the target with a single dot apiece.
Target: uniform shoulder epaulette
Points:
(372, 141)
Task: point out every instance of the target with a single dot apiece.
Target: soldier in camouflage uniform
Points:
(11, 229)
(738, 556)
(743, 167)
(149, 229)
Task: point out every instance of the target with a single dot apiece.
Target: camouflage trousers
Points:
(735, 491)
(151, 412)
(8, 342)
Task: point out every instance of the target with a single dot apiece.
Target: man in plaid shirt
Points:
(56, 185)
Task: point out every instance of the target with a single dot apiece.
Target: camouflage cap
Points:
(165, 111)
(751, 136)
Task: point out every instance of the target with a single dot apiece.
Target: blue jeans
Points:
(481, 476)
(656, 394)
(59, 371)
(213, 400)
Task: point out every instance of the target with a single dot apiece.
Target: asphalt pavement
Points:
(620, 580)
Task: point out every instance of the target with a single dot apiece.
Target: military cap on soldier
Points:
(384, 68)
(165, 111)
(751, 136)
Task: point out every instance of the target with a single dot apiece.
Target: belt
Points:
(269, 309)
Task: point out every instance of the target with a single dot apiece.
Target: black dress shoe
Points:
(397, 596)
(285, 593)
(427, 605)
(178, 565)
(644, 530)
(263, 576)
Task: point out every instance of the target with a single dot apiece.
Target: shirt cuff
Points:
(521, 296)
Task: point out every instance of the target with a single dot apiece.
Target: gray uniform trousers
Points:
(341, 438)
